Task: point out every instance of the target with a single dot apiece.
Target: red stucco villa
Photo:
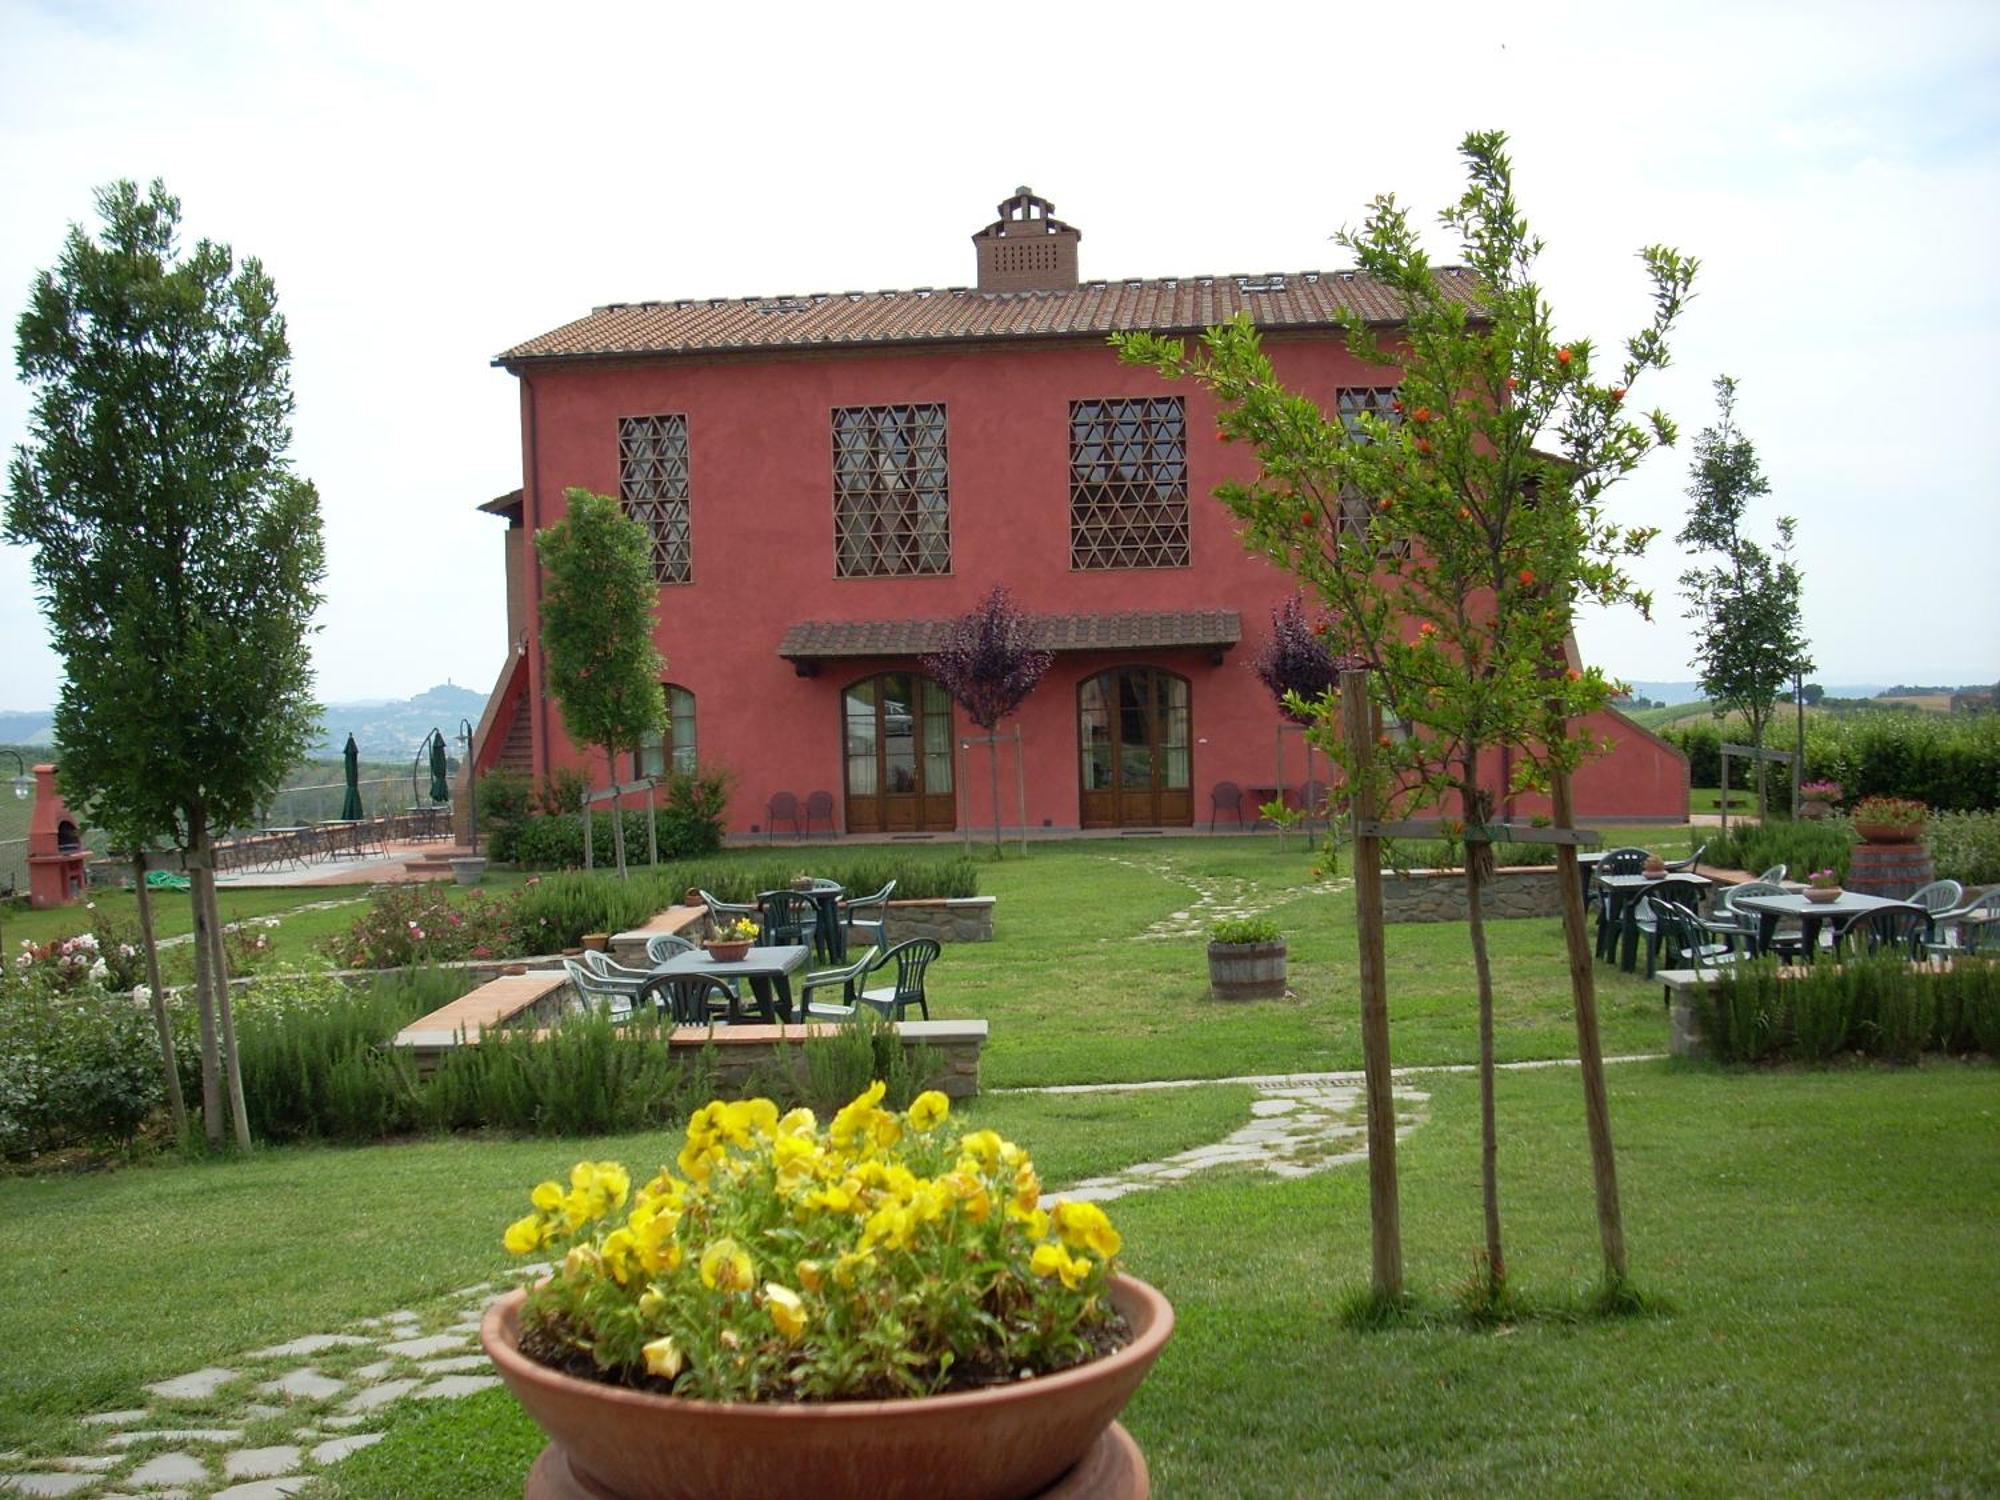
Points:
(828, 477)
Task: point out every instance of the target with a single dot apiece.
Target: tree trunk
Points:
(1359, 725)
(1757, 744)
(1589, 1047)
(993, 763)
(232, 1068)
(162, 1022)
(204, 981)
(1478, 857)
(617, 811)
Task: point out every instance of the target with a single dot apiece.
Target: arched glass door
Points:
(1133, 733)
(897, 739)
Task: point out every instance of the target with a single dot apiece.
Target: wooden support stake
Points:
(1589, 1046)
(1021, 786)
(1361, 724)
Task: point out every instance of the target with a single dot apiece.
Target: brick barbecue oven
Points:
(55, 847)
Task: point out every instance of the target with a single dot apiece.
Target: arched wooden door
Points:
(1134, 736)
(897, 737)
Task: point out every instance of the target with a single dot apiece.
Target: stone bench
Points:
(629, 948)
(511, 999)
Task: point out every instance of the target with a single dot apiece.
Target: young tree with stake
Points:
(1450, 549)
(177, 556)
(598, 619)
(989, 664)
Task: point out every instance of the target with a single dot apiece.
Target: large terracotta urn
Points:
(1053, 1436)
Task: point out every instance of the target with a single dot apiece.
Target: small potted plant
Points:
(1655, 865)
(1246, 960)
(731, 940)
(1822, 886)
(802, 881)
(1890, 820)
(877, 1307)
(1817, 798)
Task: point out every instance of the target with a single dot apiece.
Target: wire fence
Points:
(13, 866)
(303, 806)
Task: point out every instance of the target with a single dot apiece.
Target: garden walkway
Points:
(261, 1424)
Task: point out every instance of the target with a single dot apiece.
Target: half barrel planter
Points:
(1246, 971)
(1892, 861)
(1054, 1437)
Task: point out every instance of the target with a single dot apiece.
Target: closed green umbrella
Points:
(440, 783)
(350, 805)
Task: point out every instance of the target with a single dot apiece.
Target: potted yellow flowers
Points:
(879, 1307)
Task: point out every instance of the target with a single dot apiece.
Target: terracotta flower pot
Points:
(597, 942)
(728, 953)
(1823, 893)
(1890, 833)
(1040, 1437)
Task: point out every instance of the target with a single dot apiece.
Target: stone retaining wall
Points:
(1439, 895)
(959, 919)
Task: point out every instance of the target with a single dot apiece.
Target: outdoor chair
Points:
(819, 809)
(911, 958)
(1971, 928)
(1686, 866)
(1683, 895)
(1684, 938)
(783, 807)
(604, 967)
(666, 945)
(1226, 797)
(1729, 924)
(845, 978)
(693, 999)
(1938, 897)
(595, 992)
(720, 911)
(1901, 926)
(1625, 861)
(787, 917)
(1775, 875)
(868, 916)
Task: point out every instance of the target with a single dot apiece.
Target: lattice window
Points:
(1376, 401)
(653, 483)
(1128, 504)
(891, 491)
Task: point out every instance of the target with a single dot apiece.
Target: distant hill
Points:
(386, 729)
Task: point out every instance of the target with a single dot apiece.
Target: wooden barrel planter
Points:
(1246, 971)
(1891, 870)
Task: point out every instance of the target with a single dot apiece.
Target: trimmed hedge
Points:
(1951, 762)
(688, 821)
(1801, 846)
(1878, 1007)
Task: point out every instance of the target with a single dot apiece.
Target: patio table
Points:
(1626, 891)
(1812, 915)
(768, 970)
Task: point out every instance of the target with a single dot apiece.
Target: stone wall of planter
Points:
(961, 919)
(1439, 895)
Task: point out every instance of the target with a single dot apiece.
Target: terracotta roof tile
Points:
(1179, 304)
(1137, 630)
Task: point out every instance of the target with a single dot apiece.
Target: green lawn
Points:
(1824, 1242)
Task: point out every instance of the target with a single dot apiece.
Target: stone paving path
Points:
(1216, 898)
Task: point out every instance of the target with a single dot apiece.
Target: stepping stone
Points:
(305, 1384)
(378, 1396)
(312, 1343)
(333, 1450)
(85, 1465)
(262, 1489)
(400, 1315)
(342, 1422)
(455, 1366)
(197, 1385)
(115, 1418)
(453, 1386)
(258, 1411)
(474, 1291)
(176, 1435)
(1273, 1106)
(168, 1468)
(376, 1371)
(422, 1348)
(260, 1463)
(49, 1484)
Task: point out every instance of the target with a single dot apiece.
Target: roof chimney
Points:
(1027, 249)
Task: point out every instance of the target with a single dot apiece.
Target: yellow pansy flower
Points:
(725, 1267)
(787, 1311)
(928, 1110)
(1084, 1225)
(983, 1146)
(621, 1255)
(664, 1358)
(1053, 1260)
(800, 1121)
(524, 1235)
(547, 1196)
(854, 1116)
(1027, 1187)
(812, 1276)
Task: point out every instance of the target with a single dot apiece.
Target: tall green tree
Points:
(1749, 639)
(177, 557)
(1449, 546)
(598, 619)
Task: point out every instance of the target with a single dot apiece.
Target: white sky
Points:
(429, 185)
